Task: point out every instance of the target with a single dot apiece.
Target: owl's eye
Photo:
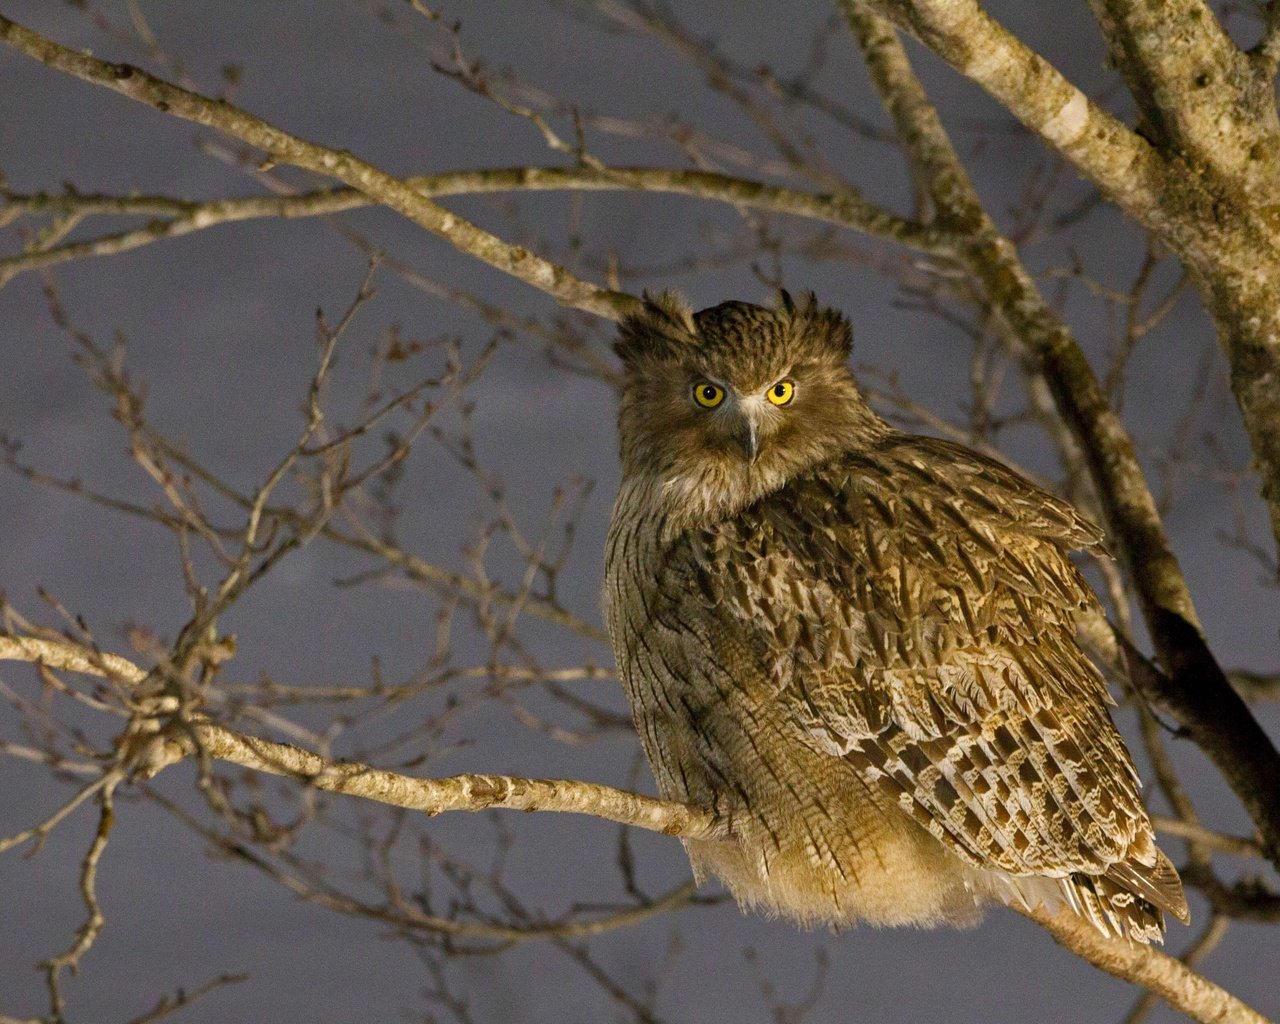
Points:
(782, 392)
(708, 395)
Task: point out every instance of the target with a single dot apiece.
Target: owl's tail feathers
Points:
(1127, 901)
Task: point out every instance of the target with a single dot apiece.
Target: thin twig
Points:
(94, 920)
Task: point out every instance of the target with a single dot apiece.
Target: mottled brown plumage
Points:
(858, 645)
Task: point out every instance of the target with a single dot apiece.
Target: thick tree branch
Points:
(197, 737)
(1198, 94)
(470, 792)
(1198, 694)
(1123, 165)
(1205, 944)
(1171, 979)
(281, 147)
(1214, 117)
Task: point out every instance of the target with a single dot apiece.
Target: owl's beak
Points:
(748, 436)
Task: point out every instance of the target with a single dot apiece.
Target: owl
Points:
(857, 646)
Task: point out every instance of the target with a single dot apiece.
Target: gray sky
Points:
(220, 326)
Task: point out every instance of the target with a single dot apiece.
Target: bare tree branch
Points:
(186, 216)
(282, 147)
(1193, 86)
(1168, 978)
(1239, 845)
(1127, 169)
(94, 920)
(1202, 947)
(470, 792)
(431, 796)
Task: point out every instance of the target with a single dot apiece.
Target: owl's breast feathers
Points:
(913, 608)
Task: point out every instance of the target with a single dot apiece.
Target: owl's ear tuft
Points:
(663, 325)
(825, 329)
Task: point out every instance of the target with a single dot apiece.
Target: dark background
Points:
(220, 326)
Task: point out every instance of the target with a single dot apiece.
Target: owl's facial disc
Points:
(745, 418)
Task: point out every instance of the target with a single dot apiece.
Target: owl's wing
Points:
(915, 604)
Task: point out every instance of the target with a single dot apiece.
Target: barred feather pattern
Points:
(866, 660)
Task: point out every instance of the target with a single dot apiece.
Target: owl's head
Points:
(736, 396)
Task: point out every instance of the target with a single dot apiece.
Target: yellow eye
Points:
(708, 395)
(782, 392)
